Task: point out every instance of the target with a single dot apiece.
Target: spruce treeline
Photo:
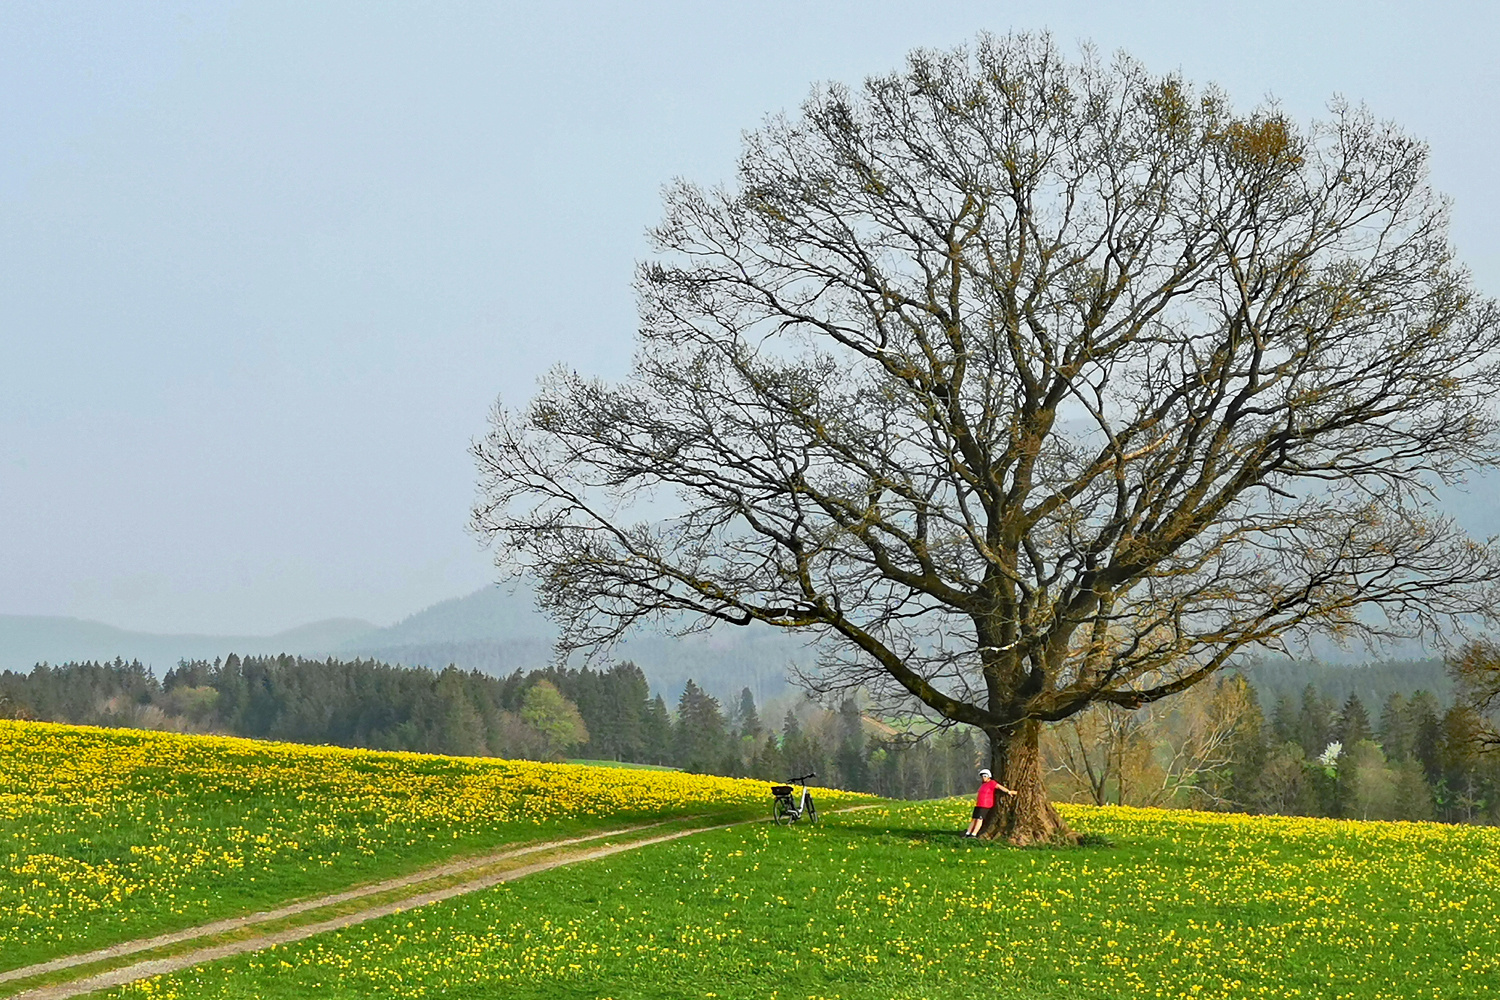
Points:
(1411, 757)
(553, 714)
(91, 694)
(356, 703)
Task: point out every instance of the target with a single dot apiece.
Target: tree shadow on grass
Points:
(955, 838)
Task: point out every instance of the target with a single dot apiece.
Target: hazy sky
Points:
(265, 267)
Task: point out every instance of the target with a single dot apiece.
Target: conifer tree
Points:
(747, 719)
(700, 738)
(768, 763)
(656, 733)
(1464, 790)
(1314, 722)
(623, 704)
(1284, 720)
(1354, 722)
(1425, 722)
(1413, 794)
(1395, 735)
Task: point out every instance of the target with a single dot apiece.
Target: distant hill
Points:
(502, 612)
(496, 630)
(26, 640)
(329, 634)
(493, 629)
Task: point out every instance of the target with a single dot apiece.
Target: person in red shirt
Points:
(984, 802)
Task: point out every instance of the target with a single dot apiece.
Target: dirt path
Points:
(174, 963)
(418, 877)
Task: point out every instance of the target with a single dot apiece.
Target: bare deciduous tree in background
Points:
(1476, 671)
(1174, 754)
(1024, 385)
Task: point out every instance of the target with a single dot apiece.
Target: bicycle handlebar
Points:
(801, 780)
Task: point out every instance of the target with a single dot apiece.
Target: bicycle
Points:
(785, 810)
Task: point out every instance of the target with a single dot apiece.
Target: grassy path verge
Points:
(112, 836)
(222, 927)
(440, 884)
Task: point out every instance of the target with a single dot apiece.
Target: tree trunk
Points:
(1029, 817)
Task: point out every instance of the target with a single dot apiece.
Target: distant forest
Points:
(1320, 751)
(553, 714)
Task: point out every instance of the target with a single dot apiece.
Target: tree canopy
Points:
(1027, 384)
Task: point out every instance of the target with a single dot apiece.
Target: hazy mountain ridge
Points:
(499, 612)
(26, 640)
(489, 615)
(495, 630)
(498, 630)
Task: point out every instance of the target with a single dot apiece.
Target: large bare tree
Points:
(1024, 384)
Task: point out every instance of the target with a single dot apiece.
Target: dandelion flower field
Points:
(108, 834)
(888, 904)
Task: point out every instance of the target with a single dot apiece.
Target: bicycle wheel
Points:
(812, 811)
(782, 813)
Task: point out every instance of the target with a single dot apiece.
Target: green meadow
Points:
(108, 835)
(890, 903)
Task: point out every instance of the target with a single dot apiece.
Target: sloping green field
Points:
(889, 903)
(108, 835)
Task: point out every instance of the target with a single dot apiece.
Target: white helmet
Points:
(984, 772)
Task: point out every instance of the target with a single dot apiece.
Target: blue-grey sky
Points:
(264, 267)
